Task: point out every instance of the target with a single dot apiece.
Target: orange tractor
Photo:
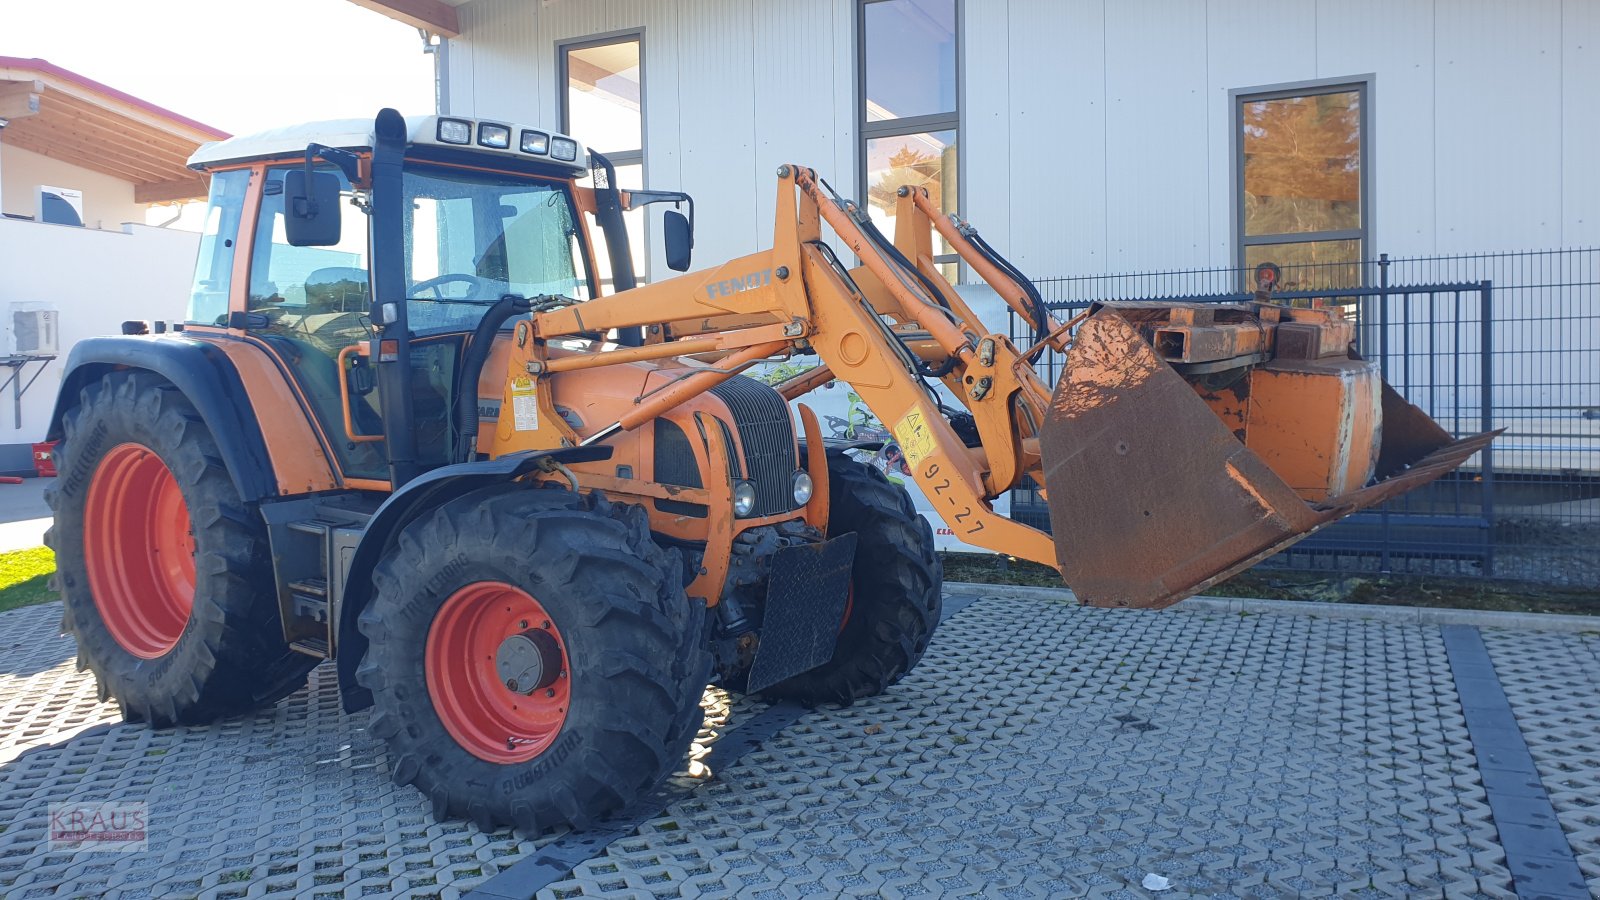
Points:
(410, 427)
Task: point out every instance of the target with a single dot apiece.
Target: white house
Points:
(80, 163)
(1081, 137)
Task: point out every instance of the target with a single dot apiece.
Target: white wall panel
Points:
(1158, 192)
(986, 118)
(1498, 125)
(793, 104)
(1058, 110)
(717, 120)
(1580, 121)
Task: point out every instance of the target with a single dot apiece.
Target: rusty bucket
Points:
(1186, 442)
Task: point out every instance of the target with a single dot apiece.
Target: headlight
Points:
(495, 137)
(535, 142)
(802, 488)
(455, 131)
(744, 498)
(564, 149)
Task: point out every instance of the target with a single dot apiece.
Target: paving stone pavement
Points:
(1553, 684)
(1040, 750)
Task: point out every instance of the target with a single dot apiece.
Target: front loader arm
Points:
(811, 303)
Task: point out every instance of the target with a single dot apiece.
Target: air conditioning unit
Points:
(35, 330)
(60, 206)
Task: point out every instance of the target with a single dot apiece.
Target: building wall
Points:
(107, 200)
(731, 91)
(1095, 135)
(96, 280)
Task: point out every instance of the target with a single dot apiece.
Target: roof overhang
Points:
(433, 16)
(63, 115)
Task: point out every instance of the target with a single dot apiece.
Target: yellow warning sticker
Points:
(524, 404)
(915, 439)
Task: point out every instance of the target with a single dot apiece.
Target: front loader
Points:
(420, 425)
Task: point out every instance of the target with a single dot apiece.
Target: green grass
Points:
(25, 577)
(1328, 587)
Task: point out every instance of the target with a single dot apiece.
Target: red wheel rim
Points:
(466, 647)
(138, 546)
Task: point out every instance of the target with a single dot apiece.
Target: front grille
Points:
(675, 464)
(767, 433)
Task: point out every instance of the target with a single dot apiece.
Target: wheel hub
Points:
(528, 662)
(496, 670)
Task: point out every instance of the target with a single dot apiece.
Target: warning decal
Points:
(915, 440)
(524, 404)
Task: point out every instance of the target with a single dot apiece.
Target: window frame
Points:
(621, 158)
(1362, 85)
(907, 125)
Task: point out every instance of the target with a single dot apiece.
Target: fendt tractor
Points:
(423, 421)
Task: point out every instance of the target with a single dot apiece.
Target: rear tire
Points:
(164, 572)
(896, 589)
(574, 581)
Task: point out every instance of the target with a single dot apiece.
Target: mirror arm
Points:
(348, 163)
(637, 199)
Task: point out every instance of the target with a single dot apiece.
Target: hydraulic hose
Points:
(1041, 312)
(887, 246)
(472, 369)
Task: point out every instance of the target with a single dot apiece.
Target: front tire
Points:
(533, 658)
(896, 589)
(164, 573)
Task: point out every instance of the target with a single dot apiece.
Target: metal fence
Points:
(1505, 340)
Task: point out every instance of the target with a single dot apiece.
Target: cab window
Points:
(213, 270)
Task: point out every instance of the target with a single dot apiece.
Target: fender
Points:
(207, 379)
(421, 494)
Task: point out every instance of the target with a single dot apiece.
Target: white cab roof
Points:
(353, 134)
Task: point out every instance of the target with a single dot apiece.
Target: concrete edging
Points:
(1404, 615)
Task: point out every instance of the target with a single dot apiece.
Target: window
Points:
(1302, 177)
(909, 116)
(296, 282)
(603, 106)
(213, 269)
(473, 237)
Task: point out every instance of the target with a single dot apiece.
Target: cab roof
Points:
(356, 134)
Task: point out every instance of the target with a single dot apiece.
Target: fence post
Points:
(1383, 369)
(1486, 414)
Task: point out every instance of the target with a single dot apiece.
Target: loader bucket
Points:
(1167, 471)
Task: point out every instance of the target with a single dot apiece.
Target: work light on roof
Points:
(495, 137)
(535, 142)
(455, 131)
(565, 149)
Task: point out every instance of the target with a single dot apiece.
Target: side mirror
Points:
(311, 211)
(680, 240)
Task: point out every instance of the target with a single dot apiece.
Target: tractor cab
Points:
(377, 250)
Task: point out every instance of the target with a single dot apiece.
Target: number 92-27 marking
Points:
(941, 488)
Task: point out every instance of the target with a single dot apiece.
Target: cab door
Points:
(308, 305)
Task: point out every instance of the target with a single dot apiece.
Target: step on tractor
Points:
(425, 422)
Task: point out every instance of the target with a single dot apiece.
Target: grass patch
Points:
(1325, 587)
(25, 577)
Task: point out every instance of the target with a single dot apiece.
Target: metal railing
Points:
(1504, 340)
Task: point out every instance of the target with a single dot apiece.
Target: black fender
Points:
(421, 494)
(205, 376)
